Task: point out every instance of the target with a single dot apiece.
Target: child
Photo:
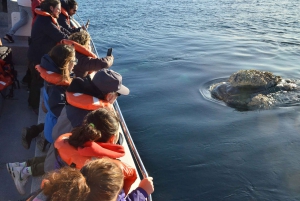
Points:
(100, 179)
(96, 138)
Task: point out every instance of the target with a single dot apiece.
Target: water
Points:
(194, 148)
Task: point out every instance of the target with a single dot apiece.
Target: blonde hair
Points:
(65, 184)
(61, 55)
(81, 37)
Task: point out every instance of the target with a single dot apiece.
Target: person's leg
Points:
(28, 133)
(35, 88)
(36, 165)
(23, 20)
(21, 171)
(27, 78)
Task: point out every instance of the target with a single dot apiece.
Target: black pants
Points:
(37, 165)
(35, 86)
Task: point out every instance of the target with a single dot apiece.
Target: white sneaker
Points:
(10, 167)
(19, 178)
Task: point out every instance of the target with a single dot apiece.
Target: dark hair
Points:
(71, 4)
(45, 5)
(61, 55)
(98, 125)
(65, 184)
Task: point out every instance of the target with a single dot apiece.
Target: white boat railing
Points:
(126, 132)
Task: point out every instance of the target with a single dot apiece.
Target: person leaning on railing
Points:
(100, 179)
(97, 90)
(68, 9)
(87, 61)
(96, 138)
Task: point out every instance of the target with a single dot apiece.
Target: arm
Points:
(143, 191)
(63, 22)
(94, 64)
(52, 31)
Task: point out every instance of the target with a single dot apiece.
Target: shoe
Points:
(29, 133)
(10, 167)
(8, 38)
(19, 181)
(26, 140)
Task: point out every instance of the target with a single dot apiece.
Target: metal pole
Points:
(126, 131)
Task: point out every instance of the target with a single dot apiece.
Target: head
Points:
(65, 184)
(73, 6)
(109, 83)
(81, 37)
(100, 125)
(64, 57)
(51, 6)
(104, 178)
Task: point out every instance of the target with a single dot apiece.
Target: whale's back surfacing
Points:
(253, 78)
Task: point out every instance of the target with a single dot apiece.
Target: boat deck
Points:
(15, 114)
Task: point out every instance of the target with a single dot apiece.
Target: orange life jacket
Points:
(43, 13)
(71, 155)
(5, 79)
(51, 77)
(79, 48)
(65, 13)
(86, 102)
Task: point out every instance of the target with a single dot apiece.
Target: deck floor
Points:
(14, 115)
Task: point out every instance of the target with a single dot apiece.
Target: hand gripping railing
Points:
(125, 130)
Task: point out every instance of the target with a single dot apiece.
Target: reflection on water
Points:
(168, 50)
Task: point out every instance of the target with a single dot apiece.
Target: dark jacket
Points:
(56, 93)
(87, 64)
(44, 35)
(54, 97)
(64, 20)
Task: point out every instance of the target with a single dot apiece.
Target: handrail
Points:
(125, 130)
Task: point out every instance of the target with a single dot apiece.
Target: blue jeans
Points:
(25, 12)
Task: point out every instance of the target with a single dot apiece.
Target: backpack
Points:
(8, 74)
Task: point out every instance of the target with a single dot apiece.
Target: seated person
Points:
(98, 90)
(95, 138)
(100, 179)
(87, 61)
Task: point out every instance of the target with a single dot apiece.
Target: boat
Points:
(20, 48)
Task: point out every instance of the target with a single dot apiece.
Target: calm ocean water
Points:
(166, 51)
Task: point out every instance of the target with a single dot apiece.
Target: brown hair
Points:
(81, 37)
(61, 55)
(104, 178)
(98, 125)
(65, 184)
(45, 5)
